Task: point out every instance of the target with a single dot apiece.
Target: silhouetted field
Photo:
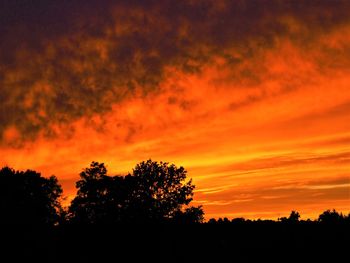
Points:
(244, 242)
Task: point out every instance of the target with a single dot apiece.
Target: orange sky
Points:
(261, 134)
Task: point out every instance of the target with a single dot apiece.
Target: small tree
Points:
(293, 218)
(28, 198)
(330, 217)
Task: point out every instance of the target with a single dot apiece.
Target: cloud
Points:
(65, 61)
(271, 199)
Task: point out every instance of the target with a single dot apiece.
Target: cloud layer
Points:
(64, 61)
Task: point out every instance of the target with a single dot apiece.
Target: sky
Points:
(251, 97)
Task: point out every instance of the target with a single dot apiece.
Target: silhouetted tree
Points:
(154, 192)
(330, 217)
(238, 220)
(190, 215)
(347, 218)
(293, 218)
(161, 192)
(220, 220)
(93, 197)
(28, 198)
(212, 221)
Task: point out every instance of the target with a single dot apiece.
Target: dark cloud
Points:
(62, 60)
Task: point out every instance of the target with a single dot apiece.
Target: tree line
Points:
(327, 217)
(155, 192)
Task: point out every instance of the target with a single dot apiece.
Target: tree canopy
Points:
(28, 198)
(154, 192)
(331, 217)
(293, 218)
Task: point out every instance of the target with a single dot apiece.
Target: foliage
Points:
(28, 198)
(331, 217)
(293, 218)
(92, 195)
(159, 190)
(154, 192)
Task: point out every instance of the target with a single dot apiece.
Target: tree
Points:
(330, 217)
(28, 198)
(238, 220)
(212, 221)
(189, 215)
(89, 206)
(154, 192)
(160, 191)
(293, 218)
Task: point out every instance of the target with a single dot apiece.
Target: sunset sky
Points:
(251, 97)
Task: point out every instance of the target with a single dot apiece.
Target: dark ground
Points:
(246, 242)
